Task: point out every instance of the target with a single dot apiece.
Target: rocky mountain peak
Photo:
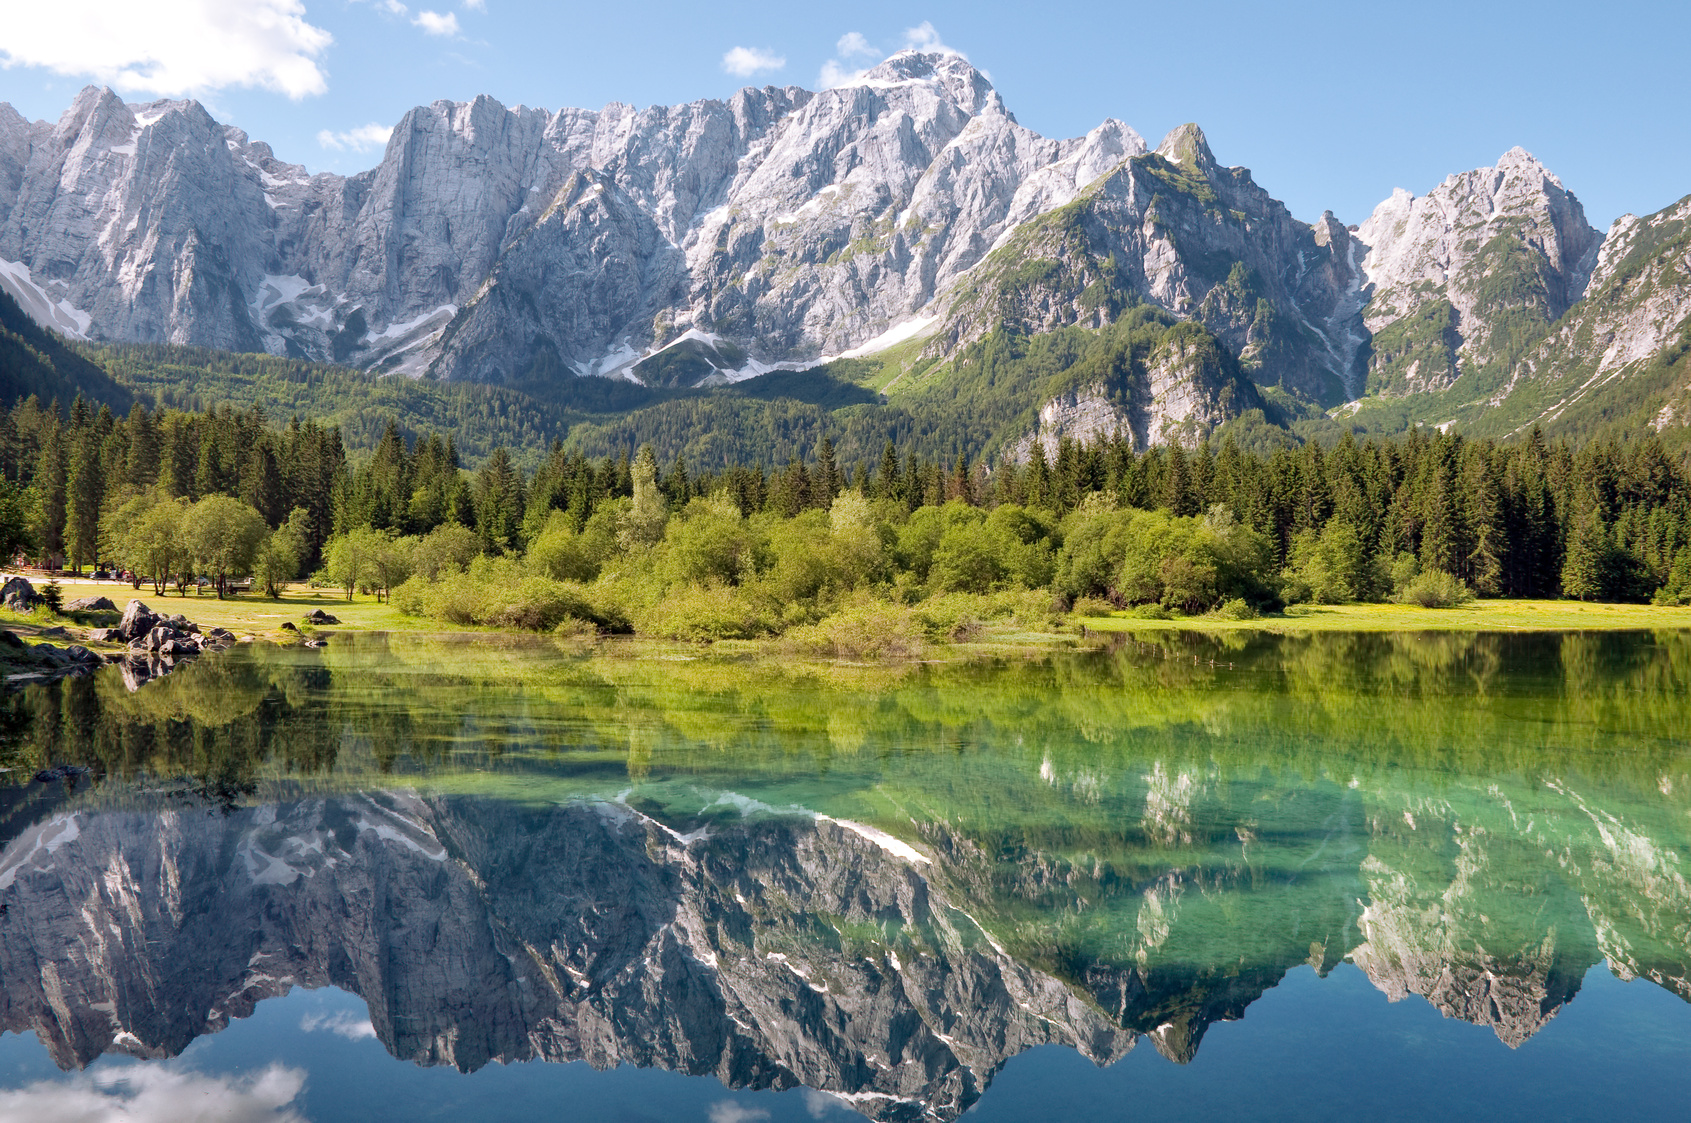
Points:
(498, 243)
(1186, 145)
(945, 71)
(1496, 243)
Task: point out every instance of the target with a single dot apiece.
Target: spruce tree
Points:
(84, 488)
(1586, 561)
(887, 476)
(826, 484)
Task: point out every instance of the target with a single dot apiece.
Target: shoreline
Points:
(253, 614)
(1475, 616)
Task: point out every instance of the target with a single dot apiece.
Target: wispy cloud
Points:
(436, 23)
(362, 139)
(342, 1023)
(746, 61)
(172, 48)
(820, 1104)
(851, 48)
(727, 1111)
(924, 38)
(160, 1094)
(475, 5)
(853, 45)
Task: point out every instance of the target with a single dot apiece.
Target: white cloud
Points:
(342, 1023)
(924, 38)
(362, 139)
(854, 45)
(819, 1104)
(727, 1111)
(746, 61)
(158, 1094)
(836, 73)
(171, 48)
(476, 5)
(434, 23)
(395, 8)
(842, 70)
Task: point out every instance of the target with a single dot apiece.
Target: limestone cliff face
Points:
(1432, 942)
(1180, 394)
(1460, 276)
(798, 223)
(1177, 230)
(1625, 336)
(479, 932)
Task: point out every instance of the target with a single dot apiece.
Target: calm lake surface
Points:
(1381, 877)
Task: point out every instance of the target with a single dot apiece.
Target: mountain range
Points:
(774, 953)
(894, 224)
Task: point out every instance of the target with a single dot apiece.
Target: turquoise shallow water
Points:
(1280, 878)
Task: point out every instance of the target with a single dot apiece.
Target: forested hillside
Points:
(36, 361)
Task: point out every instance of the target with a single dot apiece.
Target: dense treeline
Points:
(86, 487)
(1430, 517)
(884, 557)
(1527, 519)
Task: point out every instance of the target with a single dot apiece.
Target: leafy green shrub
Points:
(958, 616)
(1434, 588)
(1332, 567)
(535, 604)
(863, 629)
(1185, 564)
(571, 628)
(710, 541)
(707, 612)
(1089, 605)
(1035, 608)
(497, 593)
(1237, 609)
(445, 549)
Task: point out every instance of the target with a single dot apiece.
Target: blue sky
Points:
(1330, 104)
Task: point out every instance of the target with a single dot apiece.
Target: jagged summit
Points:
(1507, 241)
(1187, 145)
(793, 225)
(950, 73)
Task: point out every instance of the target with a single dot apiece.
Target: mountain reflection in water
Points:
(878, 883)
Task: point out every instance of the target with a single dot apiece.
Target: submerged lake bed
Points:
(1222, 876)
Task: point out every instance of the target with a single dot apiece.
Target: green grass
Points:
(246, 614)
(262, 618)
(1476, 616)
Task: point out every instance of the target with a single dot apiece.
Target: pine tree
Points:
(958, 486)
(826, 484)
(678, 487)
(1585, 566)
(887, 475)
(1039, 476)
(50, 470)
(1178, 498)
(84, 489)
(499, 503)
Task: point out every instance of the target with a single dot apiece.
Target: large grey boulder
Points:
(91, 604)
(19, 595)
(137, 621)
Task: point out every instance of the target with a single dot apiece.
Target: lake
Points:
(1252, 876)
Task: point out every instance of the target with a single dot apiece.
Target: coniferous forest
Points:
(623, 542)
